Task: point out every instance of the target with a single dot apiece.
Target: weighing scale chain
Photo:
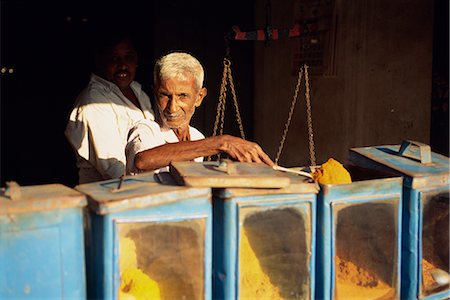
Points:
(312, 153)
(220, 112)
(233, 92)
(291, 112)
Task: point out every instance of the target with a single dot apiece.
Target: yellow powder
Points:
(134, 284)
(332, 172)
(125, 296)
(353, 282)
(127, 257)
(254, 283)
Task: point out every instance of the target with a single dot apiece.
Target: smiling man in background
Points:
(106, 109)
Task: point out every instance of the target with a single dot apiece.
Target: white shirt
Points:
(98, 128)
(148, 134)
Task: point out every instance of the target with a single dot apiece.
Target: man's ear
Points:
(203, 92)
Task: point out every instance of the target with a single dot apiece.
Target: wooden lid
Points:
(227, 174)
(48, 197)
(138, 191)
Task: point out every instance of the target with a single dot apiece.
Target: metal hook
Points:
(120, 182)
(268, 29)
(13, 190)
(227, 47)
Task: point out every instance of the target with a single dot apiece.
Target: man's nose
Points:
(172, 105)
(121, 65)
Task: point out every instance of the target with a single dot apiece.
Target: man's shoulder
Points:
(97, 91)
(94, 93)
(144, 129)
(195, 133)
(146, 124)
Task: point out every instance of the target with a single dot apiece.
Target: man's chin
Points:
(174, 125)
(122, 83)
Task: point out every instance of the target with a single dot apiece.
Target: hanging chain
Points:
(233, 92)
(220, 111)
(312, 153)
(291, 112)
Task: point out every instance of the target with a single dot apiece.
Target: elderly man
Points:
(178, 88)
(106, 110)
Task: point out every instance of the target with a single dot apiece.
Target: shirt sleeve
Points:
(144, 135)
(94, 133)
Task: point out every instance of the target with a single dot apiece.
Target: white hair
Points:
(178, 65)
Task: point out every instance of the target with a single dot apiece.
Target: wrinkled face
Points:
(177, 100)
(119, 64)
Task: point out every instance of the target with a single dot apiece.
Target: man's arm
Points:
(237, 148)
(93, 132)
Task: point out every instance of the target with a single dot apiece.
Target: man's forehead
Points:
(177, 89)
(124, 46)
(177, 79)
(121, 50)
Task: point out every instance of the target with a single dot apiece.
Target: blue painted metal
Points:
(415, 173)
(42, 246)
(329, 199)
(143, 200)
(228, 208)
(424, 174)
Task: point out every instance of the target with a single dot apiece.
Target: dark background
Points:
(48, 45)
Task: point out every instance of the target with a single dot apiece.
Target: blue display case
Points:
(264, 242)
(359, 238)
(148, 240)
(41, 243)
(425, 247)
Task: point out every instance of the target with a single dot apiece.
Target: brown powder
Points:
(429, 283)
(353, 282)
(172, 255)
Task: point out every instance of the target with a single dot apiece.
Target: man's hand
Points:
(236, 148)
(243, 150)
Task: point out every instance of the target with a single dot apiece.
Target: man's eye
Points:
(130, 58)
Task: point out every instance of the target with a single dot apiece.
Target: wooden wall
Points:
(376, 89)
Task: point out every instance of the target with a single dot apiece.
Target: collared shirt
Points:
(148, 134)
(98, 128)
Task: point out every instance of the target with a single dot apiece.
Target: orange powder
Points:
(353, 282)
(254, 283)
(332, 172)
(429, 284)
(427, 278)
